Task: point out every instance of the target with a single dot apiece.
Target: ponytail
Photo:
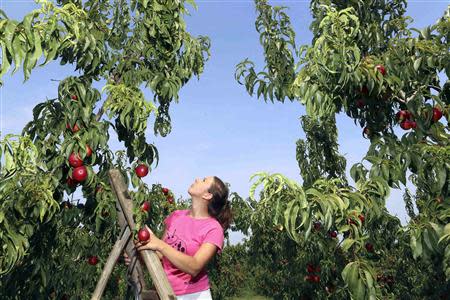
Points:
(219, 206)
(225, 216)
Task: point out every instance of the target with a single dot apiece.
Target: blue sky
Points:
(217, 128)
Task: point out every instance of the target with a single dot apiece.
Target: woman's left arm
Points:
(186, 263)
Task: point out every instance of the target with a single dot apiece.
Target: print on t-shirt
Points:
(176, 242)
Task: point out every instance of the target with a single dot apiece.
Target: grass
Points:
(249, 295)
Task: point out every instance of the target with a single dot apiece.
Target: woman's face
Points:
(200, 186)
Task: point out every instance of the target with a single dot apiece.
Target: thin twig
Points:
(436, 88)
(403, 98)
(412, 96)
(100, 111)
(99, 114)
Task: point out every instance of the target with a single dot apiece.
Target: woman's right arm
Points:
(160, 255)
(157, 252)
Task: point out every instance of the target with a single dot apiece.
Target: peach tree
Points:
(54, 246)
(392, 80)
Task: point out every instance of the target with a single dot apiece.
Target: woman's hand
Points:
(126, 259)
(153, 243)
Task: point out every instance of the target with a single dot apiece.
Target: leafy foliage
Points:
(229, 271)
(277, 39)
(318, 156)
(26, 198)
(365, 61)
(131, 45)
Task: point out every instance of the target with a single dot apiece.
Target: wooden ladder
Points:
(151, 260)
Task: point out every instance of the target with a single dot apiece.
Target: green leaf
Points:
(37, 49)
(347, 243)
(416, 246)
(417, 63)
(369, 278)
(6, 63)
(441, 176)
(42, 212)
(18, 52)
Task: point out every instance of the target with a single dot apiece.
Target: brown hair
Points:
(219, 206)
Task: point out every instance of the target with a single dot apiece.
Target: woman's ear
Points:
(207, 196)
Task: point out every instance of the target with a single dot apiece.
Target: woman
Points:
(192, 237)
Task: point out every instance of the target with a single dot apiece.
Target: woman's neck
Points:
(198, 211)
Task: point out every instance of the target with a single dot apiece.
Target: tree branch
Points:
(403, 98)
(436, 88)
(412, 96)
(100, 112)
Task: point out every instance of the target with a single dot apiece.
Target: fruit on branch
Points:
(93, 260)
(80, 173)
(143, 235)
(403, 115)
(362, 218)
(141, 170)
(408, 124)
(381, 69)
(317, 225)
(312, 278)
(437, 114)
(145, 206)
(360, 103)
(71, 182)
(74, 129)
(364, 90)
(88, 151)
(75, 160)
(351, 221)
(369, 247)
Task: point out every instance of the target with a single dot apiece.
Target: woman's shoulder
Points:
(180, 212)
(176, 214)
(213, 224)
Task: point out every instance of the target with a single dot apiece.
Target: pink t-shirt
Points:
(186, 234)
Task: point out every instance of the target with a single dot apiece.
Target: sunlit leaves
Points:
(327, 200)
(130, 45)
(366, 62)
(361, 280)
(26, 198)
(318, 155)
(53, 32)
(129, 105)
(278, 40)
